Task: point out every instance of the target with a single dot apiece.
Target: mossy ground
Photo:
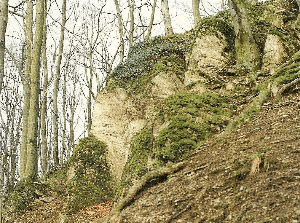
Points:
(90, 182)
(192, 120)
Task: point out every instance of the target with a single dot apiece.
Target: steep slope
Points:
(249, 175)
(180, 134)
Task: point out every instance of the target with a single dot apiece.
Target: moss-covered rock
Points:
(144, 56)
(91, 178)
(23, 197)
(192, 118)
(139, 160)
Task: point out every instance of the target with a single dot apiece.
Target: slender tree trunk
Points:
(167, 17)
(32, 150)
(196, 11)
(121, 32)
(64, 95)
(247, 52)
(3, 25)
(151, 21)
(131, 29)
(44, 158)
(89, 102)
(26, 85)
(72, 111)
(1, 184)
(56, 86)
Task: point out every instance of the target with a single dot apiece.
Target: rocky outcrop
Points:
(206, 57)
(274, 54)
(118, 117)
(115, 122)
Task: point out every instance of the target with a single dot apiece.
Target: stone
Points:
(165, 84)
(115, 122)
(206, 57)
(274, 54)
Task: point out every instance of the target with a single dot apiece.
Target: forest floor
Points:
(251, 174)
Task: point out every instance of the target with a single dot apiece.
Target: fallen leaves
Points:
(98, 210)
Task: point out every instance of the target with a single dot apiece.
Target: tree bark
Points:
(56, 87)
(44, 158)
(121, 32)
(247, 52)
(151, 21)
(167, 17)
(32, 149)
(196, 11)
(26, 85)
(131, 29)
(3, 25)
(89, 102)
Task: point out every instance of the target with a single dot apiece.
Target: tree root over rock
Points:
(135, 189)
(288, 86)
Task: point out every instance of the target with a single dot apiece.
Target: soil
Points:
(249, 175)
(252, 174)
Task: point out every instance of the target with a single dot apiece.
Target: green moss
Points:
(193, 118)
(57, 180)
(262, 17)
(216, 25)
(137, 164)
(289, 72)
(24, 194)
(91, 183)
(144, 56)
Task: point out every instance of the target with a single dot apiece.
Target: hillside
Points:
(182, 134)
(249, 175)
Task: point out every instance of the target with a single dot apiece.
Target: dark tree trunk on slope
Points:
(3, 25)
(167, 17)
(247, 52)
(297, 23)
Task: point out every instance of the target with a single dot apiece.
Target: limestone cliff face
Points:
(118, 118)
(119, 115)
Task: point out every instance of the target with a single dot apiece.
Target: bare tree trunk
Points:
(151, 21)
(121, 32)
(89, 102)
(131, 29)
(1, 183)
(44, 158)
(64, 149)
(32, 150)
(247, 52)
(196, 11)
(3, 25)
(56, 86)
(26, 85)
(72, 108)
(167, 17)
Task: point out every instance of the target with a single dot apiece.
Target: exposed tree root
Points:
(146, 178)
(288, 86)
